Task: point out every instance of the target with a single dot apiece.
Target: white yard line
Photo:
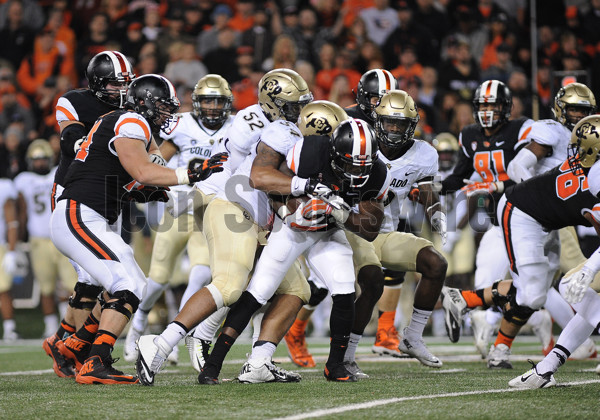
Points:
(377, 403)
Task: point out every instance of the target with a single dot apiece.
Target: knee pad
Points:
(393, 279)
(517, 314)
(317, 294)
(501, 300)
(88, 291)
(123, 297)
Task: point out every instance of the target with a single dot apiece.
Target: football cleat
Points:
(199, 351)
(98, 371)
(207, 378)
(74, 350)
(533, 380)
(10, 336)
(338, 373)
(352, 367)
(454, 306)
(62, 367)
(152, 353)
(416, 348)
(386, 342)
(543, 330)
(498, 357)
(263, 370)
(130, 347)
(482, 332)
(587, 350)
(298, 351)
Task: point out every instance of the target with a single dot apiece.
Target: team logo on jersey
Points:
(486, 143)
(474, 145)
(389, 165)
(320, 124)
(272, 88)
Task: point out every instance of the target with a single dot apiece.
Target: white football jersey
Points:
(281, 136)
(552, 134)
(420, 161)
(243, 133)
(36, 189)
(7, 192)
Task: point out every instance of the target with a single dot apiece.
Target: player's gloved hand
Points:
(309, 216)
(451, 241)
(337, 208)
(413, 195)
(209, 166)
(10, 262)
(574, 285)
(77, 144)
(315, 188)
(159, 160)
(438, 223)
(473, 188)
(146, 194)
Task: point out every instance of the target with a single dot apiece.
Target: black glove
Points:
(316, 188)
(146, 194)
(209, 166)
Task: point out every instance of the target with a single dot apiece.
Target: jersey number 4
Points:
(569, 184)
(84, 149)
(490, 165)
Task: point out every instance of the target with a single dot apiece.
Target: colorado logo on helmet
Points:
(273, 89)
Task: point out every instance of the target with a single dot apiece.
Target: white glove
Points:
(159, 160)
(438, 222)
(451, 241)
(576, 284)
(78, 143)
(309, 216)
(338, 208)
(10, 263)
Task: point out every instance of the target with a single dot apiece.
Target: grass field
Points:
(398, 388)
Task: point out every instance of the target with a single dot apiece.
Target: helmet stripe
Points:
(118, 61)
(362, 145)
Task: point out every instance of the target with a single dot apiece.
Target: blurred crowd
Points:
(440, 51)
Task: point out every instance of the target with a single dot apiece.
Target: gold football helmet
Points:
(212, 99)
(574, 95)
(282, 93)
(446, 146)
(39, 156)
(396, 117)
(585, 144)
(320, 118)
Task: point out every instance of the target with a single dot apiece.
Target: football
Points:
(315, 210)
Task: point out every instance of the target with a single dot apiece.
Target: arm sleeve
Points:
(69, 136)
(521, 167)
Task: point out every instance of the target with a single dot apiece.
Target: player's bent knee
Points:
(518, 314)
(123, 297)
(431, 264)
(317, 294)
(85, 296)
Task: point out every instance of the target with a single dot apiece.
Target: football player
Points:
(112, 165)
(197, 135)
(236, 218)
(487, 147)
(530, 227)
(9, 227)
(371, 87)
(108, 74)
(33, 203)
(347, 164)
(568, 195)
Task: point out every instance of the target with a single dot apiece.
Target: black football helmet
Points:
(353, 151)
(492, 92)
(374, 83)
(109, 67)
(154, 97)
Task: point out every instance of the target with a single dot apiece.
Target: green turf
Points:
(176, 395)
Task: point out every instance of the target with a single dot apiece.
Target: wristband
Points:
(182, 175)
(298, 186)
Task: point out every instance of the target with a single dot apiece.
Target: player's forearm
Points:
(270, 180)
(156, 175)
(365, 226)
(12, 225)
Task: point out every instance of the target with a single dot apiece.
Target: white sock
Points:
(207, 329)
(153, 292)
(256, 323)
(199, 277)
(9, 325)
(139, 322)
(265, 350)
(417, 324)
(173, 334)
(62, 308)
(50, 322)
(350, 354)
(558, 307)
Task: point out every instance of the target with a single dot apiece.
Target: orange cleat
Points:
(298, 350)
(74, 350)
(62, 367)
(97, 371)
(386, 342)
